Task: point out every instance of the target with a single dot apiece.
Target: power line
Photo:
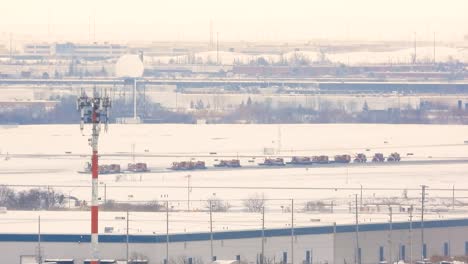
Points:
(231, 187)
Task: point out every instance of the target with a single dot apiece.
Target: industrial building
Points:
(73, 50)
(333, 243)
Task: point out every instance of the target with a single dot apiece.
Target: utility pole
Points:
(360, 201)
(217, 48)
(135, 99)
(453, 197)
(167, 232)
(133, 152)
(188, 192)
(94, 110)
(423, 199)
(411, 233)
(434, 47)
(263, 236)
(39, 251)
(126, 244)
(357, 256)
(211, 230)
(211, 34)
(292, 231)
(11, 46)
(414, 59)
(279, 139)
(390, 235)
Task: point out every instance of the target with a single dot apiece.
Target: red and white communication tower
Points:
(95, 111)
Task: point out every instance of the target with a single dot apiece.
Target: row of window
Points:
(308, 258)
(402, 253)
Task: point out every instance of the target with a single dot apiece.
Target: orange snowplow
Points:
(273, 162)
(228, 163)
(342, 158)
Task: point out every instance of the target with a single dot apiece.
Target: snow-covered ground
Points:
(183, 222)
(37, 156)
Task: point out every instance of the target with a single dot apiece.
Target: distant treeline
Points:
(247, 112)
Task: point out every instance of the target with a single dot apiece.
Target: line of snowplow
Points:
(296, 160)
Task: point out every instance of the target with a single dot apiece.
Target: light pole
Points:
(390, 235)
(211, 229)
(167, 232)
(127, 240)
(188, 191)
(127, 228)
(358, 255)
(360, 202)
(39, 250)
(263, 236)
(411, 233)
(423, 198)
(292, 231)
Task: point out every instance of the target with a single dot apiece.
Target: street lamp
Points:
(188, 191)
(127, 233)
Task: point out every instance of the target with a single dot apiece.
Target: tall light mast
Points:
(95, 111)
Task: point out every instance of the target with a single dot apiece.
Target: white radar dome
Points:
(129, 66)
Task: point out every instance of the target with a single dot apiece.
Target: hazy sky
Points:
(251, 20)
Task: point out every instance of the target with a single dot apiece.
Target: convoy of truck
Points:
(188, 165)
(116, 169)
(273, 162)
(137, 167)
(235, 163)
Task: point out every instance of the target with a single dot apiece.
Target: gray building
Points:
(319, 244)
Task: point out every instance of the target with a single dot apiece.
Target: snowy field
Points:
(51, 155)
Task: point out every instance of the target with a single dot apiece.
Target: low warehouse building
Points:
(318, 244)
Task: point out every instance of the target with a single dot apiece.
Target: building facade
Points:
(310, 245)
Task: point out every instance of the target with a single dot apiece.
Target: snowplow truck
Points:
(342, 158)
(188, 165)
(394, 157)
(378, 157)
(300, 160)
(228, 163)
(320, 159)
(360, 158)
(137, 167)
(273, 162)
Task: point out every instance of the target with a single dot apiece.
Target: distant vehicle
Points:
(235, 163)
(342, 158)
(137, 167)
(320, 159)
(103, 169)
(378, 157)
(273, 162)
(300, 161)
(360, 158)
(394, 157)
(188, 165)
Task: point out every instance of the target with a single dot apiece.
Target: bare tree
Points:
(255, 202)
(217, 204)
